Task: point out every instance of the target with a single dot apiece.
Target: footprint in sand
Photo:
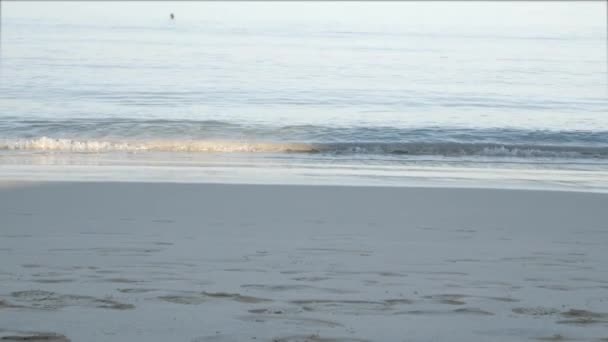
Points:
(583, 317)
(449, 299)
(556, 337)
(45, 300)
(349, 306)
(310, 279)
(53, 281)
(536, 311)
(296, 287)
(135, 290)
(33, 337)
(122, 281)
(458, 299)
(298, 321)
(574, 316)
(195, 298)
(461, 311)
(4, 304)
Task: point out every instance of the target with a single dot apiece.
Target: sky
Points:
(546, 16)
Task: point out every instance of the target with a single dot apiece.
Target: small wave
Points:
(454, 149)
(69, 145)
(443, 149)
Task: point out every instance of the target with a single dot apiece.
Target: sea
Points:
(466, 94)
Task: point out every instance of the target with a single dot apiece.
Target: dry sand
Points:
(196, 262)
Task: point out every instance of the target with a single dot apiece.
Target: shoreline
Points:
(406, 176)
(18, 183)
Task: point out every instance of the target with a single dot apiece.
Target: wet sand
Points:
(211, 262)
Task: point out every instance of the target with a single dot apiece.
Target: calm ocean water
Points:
(300, 85)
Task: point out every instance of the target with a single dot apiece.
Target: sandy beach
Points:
(213, 262)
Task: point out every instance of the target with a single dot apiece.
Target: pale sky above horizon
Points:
(549, 15)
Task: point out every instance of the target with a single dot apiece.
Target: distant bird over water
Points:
(172, 16)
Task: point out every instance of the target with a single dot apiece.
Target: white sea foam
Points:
(439, 149)
(70, 145)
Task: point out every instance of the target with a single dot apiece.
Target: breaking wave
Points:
(446, 149)
(69, 145)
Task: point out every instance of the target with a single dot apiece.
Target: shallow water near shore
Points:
(316, 84)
